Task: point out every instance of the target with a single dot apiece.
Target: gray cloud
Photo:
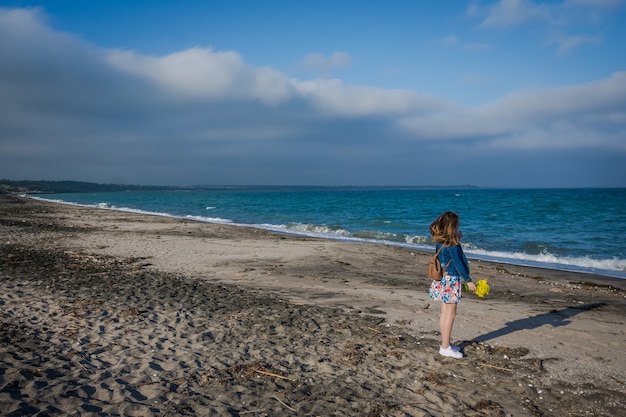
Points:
(70, 110)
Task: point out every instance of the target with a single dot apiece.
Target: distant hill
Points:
(57, 187)
(10, 186)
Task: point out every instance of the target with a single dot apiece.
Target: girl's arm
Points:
(460, 262)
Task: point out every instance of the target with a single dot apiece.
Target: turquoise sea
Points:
(580, 230)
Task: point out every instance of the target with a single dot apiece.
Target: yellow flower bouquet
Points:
(482, 288)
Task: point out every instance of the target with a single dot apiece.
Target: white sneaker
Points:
(450, 352)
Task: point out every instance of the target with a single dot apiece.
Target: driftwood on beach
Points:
(109, 313)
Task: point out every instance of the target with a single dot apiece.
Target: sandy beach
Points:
(107, 313)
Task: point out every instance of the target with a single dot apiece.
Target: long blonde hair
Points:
(446, 228)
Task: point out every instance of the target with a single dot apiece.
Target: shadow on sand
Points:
(555, 318)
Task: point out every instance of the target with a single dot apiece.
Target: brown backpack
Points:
(435, 272)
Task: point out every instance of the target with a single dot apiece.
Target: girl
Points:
(445, 231)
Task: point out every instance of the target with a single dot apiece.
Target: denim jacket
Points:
(458, 266)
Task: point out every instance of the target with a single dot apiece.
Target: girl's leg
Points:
(446, 320)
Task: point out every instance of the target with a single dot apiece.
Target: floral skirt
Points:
(448, 290)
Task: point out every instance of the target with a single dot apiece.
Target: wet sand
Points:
(110, 313)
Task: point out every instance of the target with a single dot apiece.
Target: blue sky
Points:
(509, 93)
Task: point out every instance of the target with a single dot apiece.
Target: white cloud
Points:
(339, 98)
(566, 44)
(507, 13)
(574, 116)
(564, 18)
(318, 62)
(224, 76)
(29, 22)
(512, 13)
(203, 72)
(453, 41)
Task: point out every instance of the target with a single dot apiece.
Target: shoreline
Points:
(144, 315)
(591, 271)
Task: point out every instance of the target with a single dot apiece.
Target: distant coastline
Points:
(59, 187)
(53, 187)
